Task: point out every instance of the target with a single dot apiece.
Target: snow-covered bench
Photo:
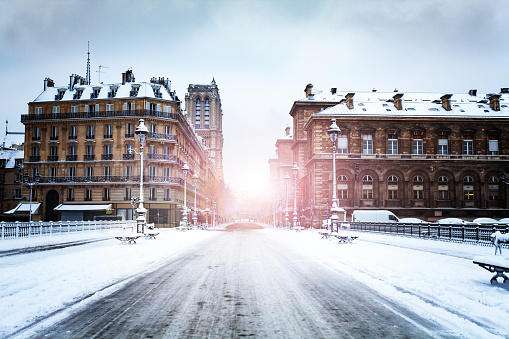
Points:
(128, 239)
(342, 237)
(150, 235)
(497, 265)
(298, 228)
(324, 233)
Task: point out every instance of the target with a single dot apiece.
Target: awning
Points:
(69, 207)
(25, 208)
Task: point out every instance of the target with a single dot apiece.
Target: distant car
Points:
(374, 216)
(451, 221)
(413, 221)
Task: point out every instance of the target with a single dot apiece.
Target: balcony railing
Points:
(115, 179)
(36, 138)
(89, 157)
(406, 157)
(162, 136)
(129, 135)
(128, 156)
(71, 157)
(72, 137)
(157, 156)
(52, 157)
(53, 137)
(106, 156)
(108, 136)
(35, 158)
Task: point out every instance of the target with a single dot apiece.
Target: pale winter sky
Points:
(261, 53)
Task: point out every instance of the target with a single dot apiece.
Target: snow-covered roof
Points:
(429, 105)
(13, 139)
(123, 91)
(11, 156)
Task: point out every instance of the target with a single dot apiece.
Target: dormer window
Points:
(157, 91)
(78, 94)
(95, 93)
(134, 91)
(60, 94)
(113, 91)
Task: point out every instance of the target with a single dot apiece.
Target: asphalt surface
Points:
(244, 283)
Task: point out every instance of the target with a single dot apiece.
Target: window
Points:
(342, 144)
(443, 188)
(89, 172)
(73, 132)
(392, 146)
(152, 172)
(129, 172)
(109, 107)
(167, 194)
(367, 144)
(167, 129)
(129, 149)
(53, 173)
(107, 172)
(36, 136)
(198, 112)
(38, 110)
(90, 132)
(88, 194)
(106, 194)
(108, 131)
(153, 128)
(468, 188)
(167, 173)
(392, 187)
(75, 109)
(492, 145)
(152, 193)
(418, 144)
(342, 187)
(493, 188)
(152, 149)
(54, 133)
(129, 106)
(418, 187)
(17, 193)
(443, 145)
(129, 130)
(90, 150)
(53, 153)
(128, 193)
(107, 155)
(207, 116)
(70, 194)
(71, 173)
(56, 109)
(367, 187)
(468, 145)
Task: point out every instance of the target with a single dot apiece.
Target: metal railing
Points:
(474, 234)
(17, 230)
(114, 179)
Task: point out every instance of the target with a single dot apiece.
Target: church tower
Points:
(203, 106)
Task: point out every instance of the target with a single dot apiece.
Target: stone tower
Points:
(203, 106)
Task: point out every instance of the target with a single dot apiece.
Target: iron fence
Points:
(18, 230)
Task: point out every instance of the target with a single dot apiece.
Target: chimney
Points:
(446, 101)
(287, 130)
(349, 100)
(472, 92)
(128, 76)
(398, 102)
(495, 102)
(333, 90)
(308, 90)
(504, 90)
(48, 83)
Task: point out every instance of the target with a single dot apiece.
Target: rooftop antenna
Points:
(99, 71)
(88, 64)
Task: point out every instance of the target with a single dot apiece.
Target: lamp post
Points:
(287, 180)
(31, 181)
(295, 171)
(195, 216)
(207, 212)
(214, 215)
(333, 132)
(141, 213)
(185, 170)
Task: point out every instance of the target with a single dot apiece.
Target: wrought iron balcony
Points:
(106, 156)
(71, 157)
(157, 156)
(89, 157)
(72, 137)
(114, 179)
(128, 156)
(35, 158)
(108, 136)
(129, 135)
(36, 138)
(162, 136)
(53, 137)
(52, 157)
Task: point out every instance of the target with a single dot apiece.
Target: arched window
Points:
(468, 188)
(493, 188)
(443, 188)
(392, 187)
(207, 112)
(198, 112)
(367, 187)
(418, 187)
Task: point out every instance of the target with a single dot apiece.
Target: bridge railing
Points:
(18, 230)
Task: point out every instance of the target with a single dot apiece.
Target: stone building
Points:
(425, 155)
(80, 139)
(203, 106)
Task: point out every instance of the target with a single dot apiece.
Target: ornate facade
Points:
(424, 155)
(80, 139)
(203, 106)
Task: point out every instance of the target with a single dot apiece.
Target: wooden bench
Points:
(128, 239)
(494, 265)
(343, 238)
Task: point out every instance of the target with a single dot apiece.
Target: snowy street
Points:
(262, 283)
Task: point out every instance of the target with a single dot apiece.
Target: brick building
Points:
(80, 137)
(426, 155)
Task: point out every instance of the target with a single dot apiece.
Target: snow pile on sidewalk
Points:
(436, 279)
(36, 284)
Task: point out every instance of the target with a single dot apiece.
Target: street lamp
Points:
(141, 218)
(31, 181)
(195, 217)
(295, 171)
(185, 170)
(333, 133)
(214, 215)
(287, 180)
(207, 212)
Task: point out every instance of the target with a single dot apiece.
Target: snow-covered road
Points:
(287, 274)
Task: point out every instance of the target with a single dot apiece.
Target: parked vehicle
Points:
(374, 216)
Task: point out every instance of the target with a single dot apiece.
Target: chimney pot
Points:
(495, 102)
(308, 90)
(446, 101)
(333, 90)
(473, 92)
(349, 100)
